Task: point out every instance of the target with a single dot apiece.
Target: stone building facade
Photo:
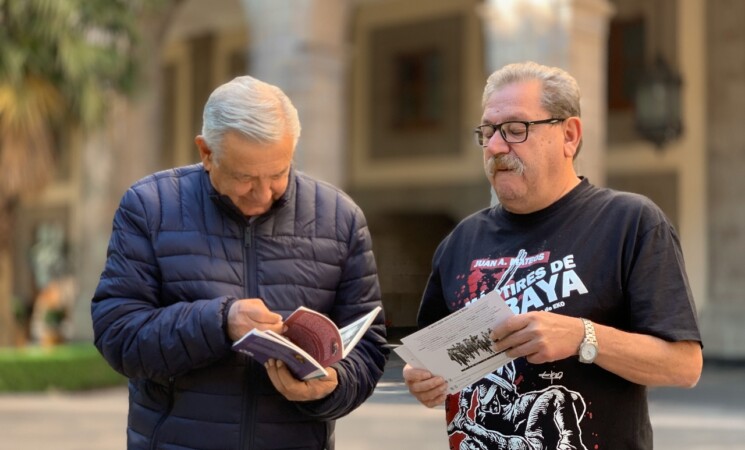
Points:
(388, 91)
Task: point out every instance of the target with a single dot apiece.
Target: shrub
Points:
(67, 367)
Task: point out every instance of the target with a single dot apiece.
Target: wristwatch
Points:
(588, 349)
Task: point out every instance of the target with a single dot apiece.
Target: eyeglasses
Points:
(513, 132)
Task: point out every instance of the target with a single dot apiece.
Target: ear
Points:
(205, 153)
(572, 136)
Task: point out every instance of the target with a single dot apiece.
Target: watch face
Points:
(588, 352)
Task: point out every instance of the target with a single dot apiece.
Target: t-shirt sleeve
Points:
(433, 306)
(660, 297)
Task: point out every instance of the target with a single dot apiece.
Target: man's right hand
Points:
(428, 389)
(249, 313)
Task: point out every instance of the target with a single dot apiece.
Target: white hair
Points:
(252, 108)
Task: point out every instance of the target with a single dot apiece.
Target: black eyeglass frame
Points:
(479, 133)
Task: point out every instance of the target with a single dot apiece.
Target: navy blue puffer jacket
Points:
(179, 254)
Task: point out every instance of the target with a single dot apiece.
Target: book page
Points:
(352, 333)
(316, 334)
(458, 347)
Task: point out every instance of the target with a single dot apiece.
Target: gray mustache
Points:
(504, 162)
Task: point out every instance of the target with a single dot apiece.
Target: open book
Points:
(311, 342)
(458, 347)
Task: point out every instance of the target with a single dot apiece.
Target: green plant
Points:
(67, 367)
(53, 317)
(62, 62)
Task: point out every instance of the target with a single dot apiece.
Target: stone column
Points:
(692, 52)
(571, 34)
(111, 159)
(714, 117)
(299, 46)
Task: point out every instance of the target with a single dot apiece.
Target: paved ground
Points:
(709, 417)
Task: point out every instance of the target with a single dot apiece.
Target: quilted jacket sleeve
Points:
(137, 333)
(357, 293)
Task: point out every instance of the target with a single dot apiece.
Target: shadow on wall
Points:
(403, 246)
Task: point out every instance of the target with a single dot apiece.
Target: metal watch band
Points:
(589, 332)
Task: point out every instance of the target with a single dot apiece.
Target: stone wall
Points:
(722, 319)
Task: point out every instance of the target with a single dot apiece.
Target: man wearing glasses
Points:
(595, 276)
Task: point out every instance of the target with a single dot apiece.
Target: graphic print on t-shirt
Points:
(501, 411)
(493, 414)
(527, 283)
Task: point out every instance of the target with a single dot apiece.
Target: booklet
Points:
(311, 342)
(458, 347)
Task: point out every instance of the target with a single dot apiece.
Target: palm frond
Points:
(60, 62)
(28, 103)
(26, 111)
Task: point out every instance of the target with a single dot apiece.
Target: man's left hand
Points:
(298, 390)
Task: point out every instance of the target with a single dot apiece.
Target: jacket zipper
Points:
(251, 291)
(251, 288)
(154, 440)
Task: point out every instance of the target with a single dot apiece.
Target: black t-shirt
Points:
(608, 256)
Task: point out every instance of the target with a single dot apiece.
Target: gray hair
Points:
(560, 92)
(560, 95)
(252, 108)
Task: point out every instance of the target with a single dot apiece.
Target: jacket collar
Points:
(227, 205)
